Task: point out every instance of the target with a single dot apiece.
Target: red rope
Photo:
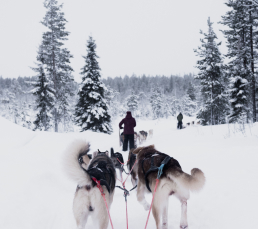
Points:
(123, 183)
(103, 195)
(126, 215)
(121, 162)
(130, 171)
(157, 181)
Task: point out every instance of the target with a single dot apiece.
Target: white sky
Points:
(152, 37)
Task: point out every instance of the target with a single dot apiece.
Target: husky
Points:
(88, 200)
(143, 136)
(173, 181)
(115, 157)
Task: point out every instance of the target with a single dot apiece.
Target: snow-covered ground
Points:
(36, 194)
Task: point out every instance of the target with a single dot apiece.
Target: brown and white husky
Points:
(87, 199)
(173, 181)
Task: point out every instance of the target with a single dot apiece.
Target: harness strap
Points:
(154, 169)
(103, 195)
(133, 188)
(157, 181)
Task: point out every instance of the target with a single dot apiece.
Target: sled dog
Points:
(143, 135)
(87, 199)
(115, 157)
(173, 181)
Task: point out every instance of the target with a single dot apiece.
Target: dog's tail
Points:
(71, 163)
(193, 182)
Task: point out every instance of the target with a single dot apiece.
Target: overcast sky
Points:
(152, 37)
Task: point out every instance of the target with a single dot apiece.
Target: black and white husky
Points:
(173, 181)
(87, 199)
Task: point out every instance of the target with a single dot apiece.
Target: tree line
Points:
(219, 93)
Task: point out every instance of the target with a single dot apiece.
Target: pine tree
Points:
(44, 95)
(57, 58)
(156, 102)
(242, 36)
(132, 102)
(191, 92)
(25, 117)
(91, 112)
(211, 79)
(188, 105)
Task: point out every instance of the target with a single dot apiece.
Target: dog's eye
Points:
(80, 160)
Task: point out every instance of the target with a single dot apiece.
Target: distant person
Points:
(129, 124)
(179, 119)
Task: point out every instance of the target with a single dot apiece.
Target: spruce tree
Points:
(156, 101)
(132, 102)
(211, 77)
(91, 112)
(57, 58)
(191, 92)
(242, 36)
(44, 95)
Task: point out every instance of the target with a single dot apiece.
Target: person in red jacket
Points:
(129, 124)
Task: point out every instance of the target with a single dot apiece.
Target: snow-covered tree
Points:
(242, 41)
(188, 105)
(111, 98)
(25, 116)
(44, 95)
(191, 92)
(156, 102)
(176, 106)
(211, 78)
(91, 112)
(57, 58)
(132, 102)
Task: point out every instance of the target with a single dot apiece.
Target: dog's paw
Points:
(183, 226)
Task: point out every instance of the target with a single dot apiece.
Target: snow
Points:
(35, 192)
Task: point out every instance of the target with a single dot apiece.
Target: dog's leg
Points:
(160, 206)
(183, 221)
(141, 197)
(165, 216)
(80, 210)
(100, 214)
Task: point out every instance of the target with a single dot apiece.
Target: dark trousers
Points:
(130, 138)
(179, 125)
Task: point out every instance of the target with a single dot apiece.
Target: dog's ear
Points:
(107, 153)
(95, 154)
(112, 152)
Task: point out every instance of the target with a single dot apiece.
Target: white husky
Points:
(88, 199)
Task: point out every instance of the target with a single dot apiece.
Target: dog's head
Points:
(115, 157)
(98, 152)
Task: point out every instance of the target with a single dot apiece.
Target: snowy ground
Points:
(36, 194)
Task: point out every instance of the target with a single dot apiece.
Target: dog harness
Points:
(99, 172)
(154, 168)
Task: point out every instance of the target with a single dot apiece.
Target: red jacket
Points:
(129, 123)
